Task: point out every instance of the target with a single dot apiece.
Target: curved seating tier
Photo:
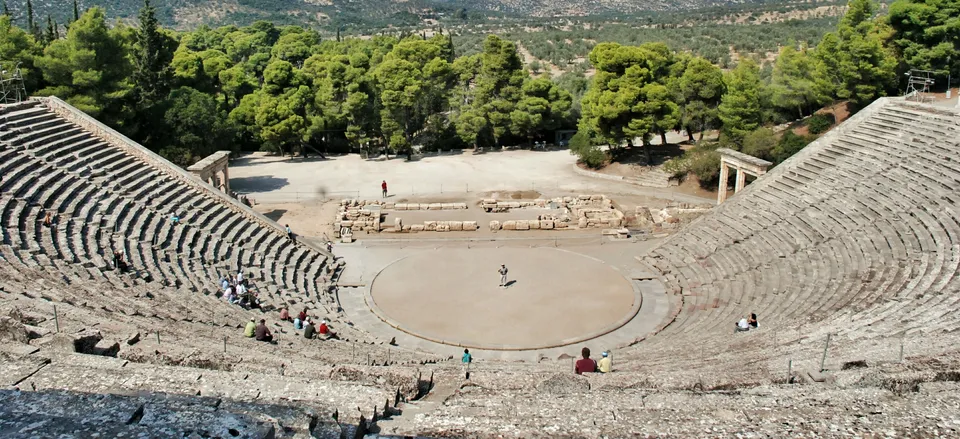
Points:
(106, 196)
(859, 234)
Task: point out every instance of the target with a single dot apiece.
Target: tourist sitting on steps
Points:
(309, 331)
(585, 364)
(263, 333)
(752, 321)
(303, 315)
(297, 323)
(742, 326)
(604, 365)
(119, 262)
(284, 315)
(325, 331)
(251, 329)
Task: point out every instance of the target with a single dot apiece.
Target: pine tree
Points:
(49, 34)
(151, 67)
(31, 24)
(76, 11)
(6, 10)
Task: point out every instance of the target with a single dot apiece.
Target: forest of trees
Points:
(288, 90)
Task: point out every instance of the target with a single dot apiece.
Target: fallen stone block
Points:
(460, 206)
(455, 226)
(546, 224)
(582, 223)
(523, 225)
(398, 224)
(389, 205)
(509, 225)
(400, 206)
(446, 206)
(436, 206)
(494, 225)
(416, 228)
(430, 226)
(406, 228)
(443, 228)
(533, 224)
(469, 226)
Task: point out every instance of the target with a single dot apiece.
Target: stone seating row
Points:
(876, 227)
(51, 161)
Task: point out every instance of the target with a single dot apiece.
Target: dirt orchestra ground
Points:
(555, 297)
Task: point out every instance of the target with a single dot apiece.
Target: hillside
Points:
(186, 14)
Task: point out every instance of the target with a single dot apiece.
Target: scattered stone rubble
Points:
(577, 212)
(669, 217)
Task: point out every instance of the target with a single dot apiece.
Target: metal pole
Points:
(158, 337)
(789, 370)
(56, 319)
(823, 359)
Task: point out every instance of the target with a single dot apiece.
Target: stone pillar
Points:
(226, 179)
(724, 175)
(741, 180)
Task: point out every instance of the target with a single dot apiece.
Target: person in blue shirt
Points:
(466, 360)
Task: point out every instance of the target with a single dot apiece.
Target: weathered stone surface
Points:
(397, 223)
(522, 225)
(469, 226)
(12, 330)
(455, 226)
(495, 225)
(430, 226)
(546, 224)
(564, 384)
(416, 228)
(443, 228)
(509, 225)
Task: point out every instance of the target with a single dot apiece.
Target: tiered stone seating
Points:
(108, 194)
(858, 232)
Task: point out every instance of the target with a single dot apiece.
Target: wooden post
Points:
(826, 346)
(224, 344)
(901, 350)
(56, 319)
(158, 337)
(789, 370)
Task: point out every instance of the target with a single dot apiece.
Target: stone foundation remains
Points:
(670, 217)
(577, 212)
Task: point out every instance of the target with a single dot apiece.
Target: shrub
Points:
(759, 143)
(706, 166)
(820, 122)
(677, 167)
(789, 145)
(592, 156)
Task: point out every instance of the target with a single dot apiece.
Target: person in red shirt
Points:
(585, 364)
(303, 315)
(325, 331)
(384, 187)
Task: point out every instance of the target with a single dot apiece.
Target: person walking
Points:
(503, 275)
(289, 233)
(466, 360)
(383, 186)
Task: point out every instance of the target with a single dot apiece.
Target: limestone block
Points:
(534, 224)
(400, 206)
(436, 206)
(583, 197)
(455, 226)
(597, 198)
(540, 202)
(469, 226)
(398, 224)
(389, 205)
(460, 206)
(526, 204)
(424, 206)
(430, 226)
(513, 204)
(502, 204)
(489, 201)
(443, 228)
(559, 225)
(346, 223)
(546, 224)
(446, 206)
(494, 225)
(523, 225)
(416, 228)
(616, 223)
(510, 225)
(376, 226)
